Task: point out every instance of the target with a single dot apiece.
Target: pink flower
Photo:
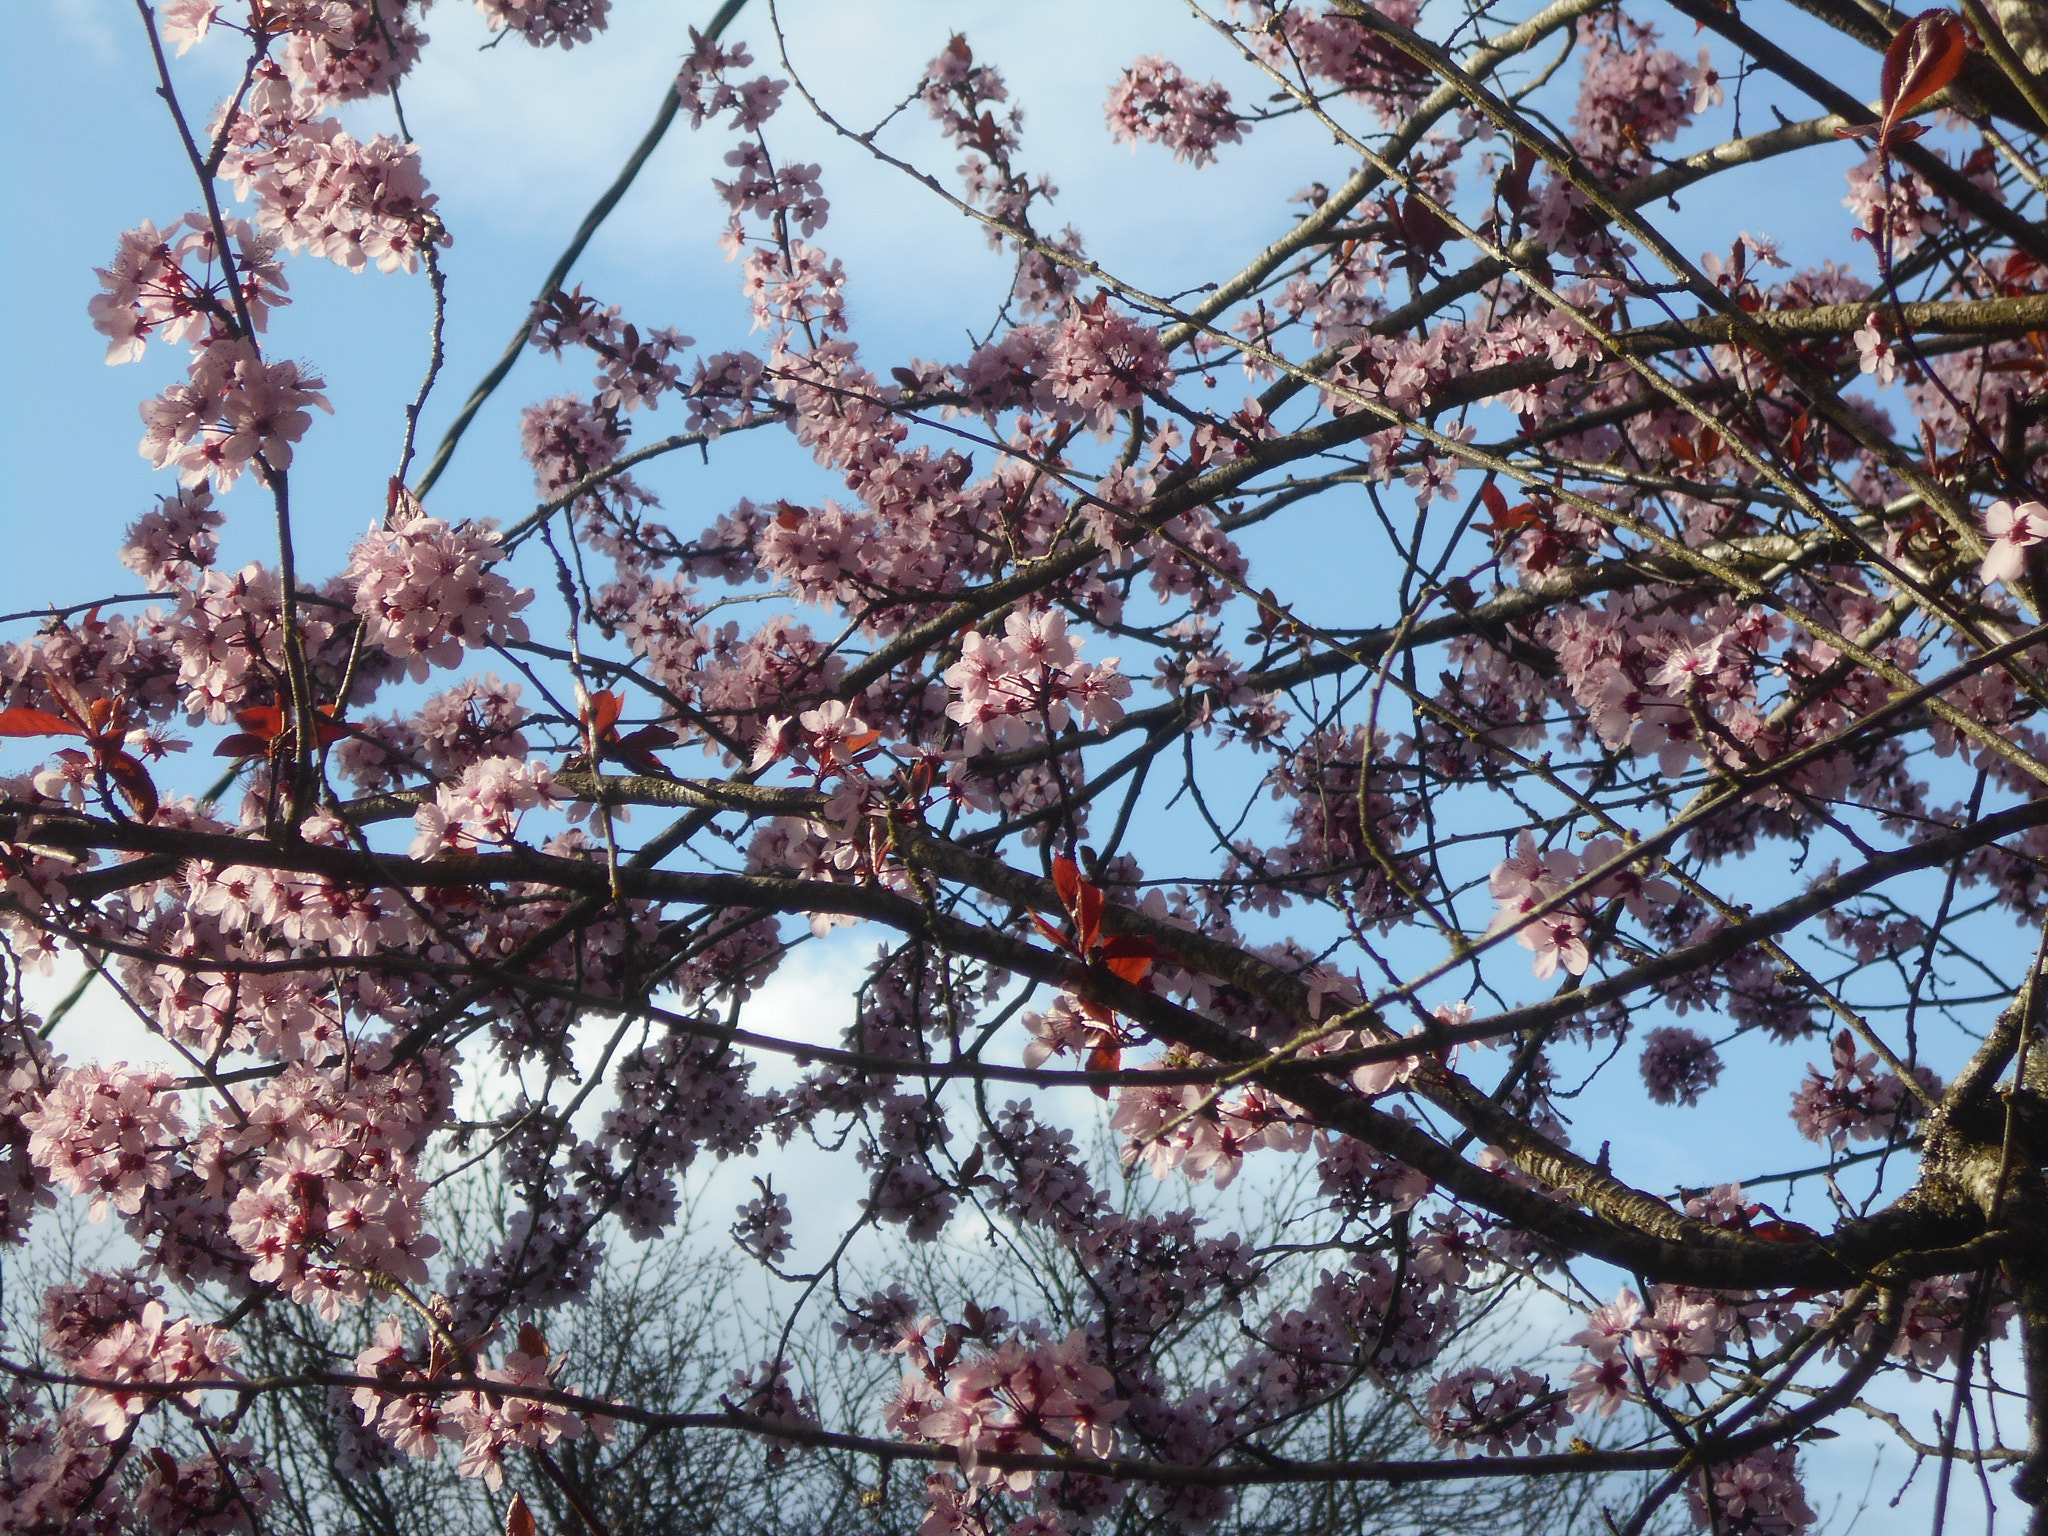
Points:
(1608, 1327)
(1154, 101)
(2013, 530)
(483, 806)
(236, 411)
(1600, 1386)
(1677, 1342)
(107, 1132)
(1528, 881)
(564, 23)
(1874, 352)
(185, 22)
(1706, 84)
(1679, 1065)
(1497, 1412)
(1760, 1495)
(149, 1349)
(425, 591)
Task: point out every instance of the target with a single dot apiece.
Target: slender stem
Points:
(559, 272)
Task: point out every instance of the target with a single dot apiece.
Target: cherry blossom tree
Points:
(1681, 752)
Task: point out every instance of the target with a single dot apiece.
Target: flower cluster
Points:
(1679, 1065)
(564, 23)
(1856, 1099)
(1534, 879)
(425, 591)
(484, 806)
(236, 412)
(1016, 1398)
(107, 1132)
(330, 1207)
(487, 1423)
(319, 190)
(633, 370)
(116, 1332)
(1497, 1412)
(1174, 1126)
(1031, 676)
(1152, 100)
(1760, 1495)
(169, 285)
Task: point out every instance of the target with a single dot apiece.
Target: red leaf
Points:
(1052, 933)
(1088, 916)
(602, 712)
(1104, 1058)
(328, 727)
(36, 722)
(266, 724)
(518, 1518)
(1783, 1232)
(1066, 879)
(1131, 968)
(1513, 185)
(532, 1341)
(636, 749)
(1506, 519)
(241, 744)
(67, 694)
(1420, 227)
(1130, 957)
(1925, 55)
(263, 721)
(134, 782)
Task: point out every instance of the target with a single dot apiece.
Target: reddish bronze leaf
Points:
(1925, 55)
(36, 722)
(133, 780)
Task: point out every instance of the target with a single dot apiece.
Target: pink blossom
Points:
(564, 23)
(1874, 353)
(319, 190)
(1497, 1412)
(236, 412)
(1607, 1328)
(220, 1492)
(425, 591)
(2014, 529)
(1678, 1065)
(1600, 1386)
(107, 1132)
(185, 22)
(149, 1348)
(484, 806)
(1152, 100)
(1706, 84)
(1678, 1339)
(1856, 1100)
(1760, 1495)
(1530, 880)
